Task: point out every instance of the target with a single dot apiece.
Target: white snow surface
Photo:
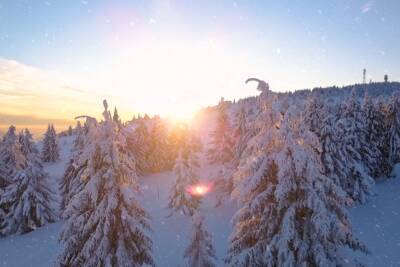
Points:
(375, 223)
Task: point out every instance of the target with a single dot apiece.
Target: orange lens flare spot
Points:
(199, 189)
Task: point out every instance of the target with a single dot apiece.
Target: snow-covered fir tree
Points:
(157, 149)
(12, 159)
(314, 114)
(50, 150)
(331, 158)
(78, 126)
(28, 146)
(186, 170)
(382, 112)
(241, 134)
(200, 251)
(374, 138)
(291, 214)
(138, 143)
(106, 225)
(70, 131)
(393, 134)
(116, 118)
(71, 183)
(176, 139)
(354, 151)
(221, 143)
(80, 133)
(27, 201)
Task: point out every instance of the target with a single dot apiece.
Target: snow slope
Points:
(375, 223)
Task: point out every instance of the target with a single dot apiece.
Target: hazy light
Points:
(199, 189)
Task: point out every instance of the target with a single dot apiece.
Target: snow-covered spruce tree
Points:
(291, 214)
(200, 251)
(116, 118)
(221, 144)
(157, 149)
(138, 142)
(375, 134)
(393, 134)
(240, 136)
(50, 150)
(314, 114)
(78, 127)
(71, 183)
(382, 112)
(28, 146)
(331, 159)
(27, 201)
(106, 225)
(80, 133)
(176, 138)
(186, 170)
(12, 159)
(354, 151)
(70, 131)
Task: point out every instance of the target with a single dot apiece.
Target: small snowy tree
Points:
(28, 146)
(331, 160)
(393, 135)
(291, 214)
(240, 134)
(176, 139)
(138, 143)
(200, 252)
(71, 183)
(70, 131)
(157, 148)
(116, 118)
(50, 150)
(12, 159)
(221, 144)
(106, 225)
(354, 152)
(314, 114)
(186, 169)
(223, 184)
(374, 137)
(27, 201)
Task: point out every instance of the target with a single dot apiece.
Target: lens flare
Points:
(199, 189)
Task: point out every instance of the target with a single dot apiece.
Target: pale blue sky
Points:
(137, 51)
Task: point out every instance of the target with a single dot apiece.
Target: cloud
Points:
(31, 95)
(367, 7)
(8, 119)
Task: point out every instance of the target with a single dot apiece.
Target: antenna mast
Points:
(364, 76)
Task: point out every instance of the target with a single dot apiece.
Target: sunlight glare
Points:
(199, 189)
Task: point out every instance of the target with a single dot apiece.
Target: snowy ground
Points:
(375, 223)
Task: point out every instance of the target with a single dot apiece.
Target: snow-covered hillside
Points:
(375, 223)
(281, 154)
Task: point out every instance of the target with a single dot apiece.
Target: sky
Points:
(60, 59)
